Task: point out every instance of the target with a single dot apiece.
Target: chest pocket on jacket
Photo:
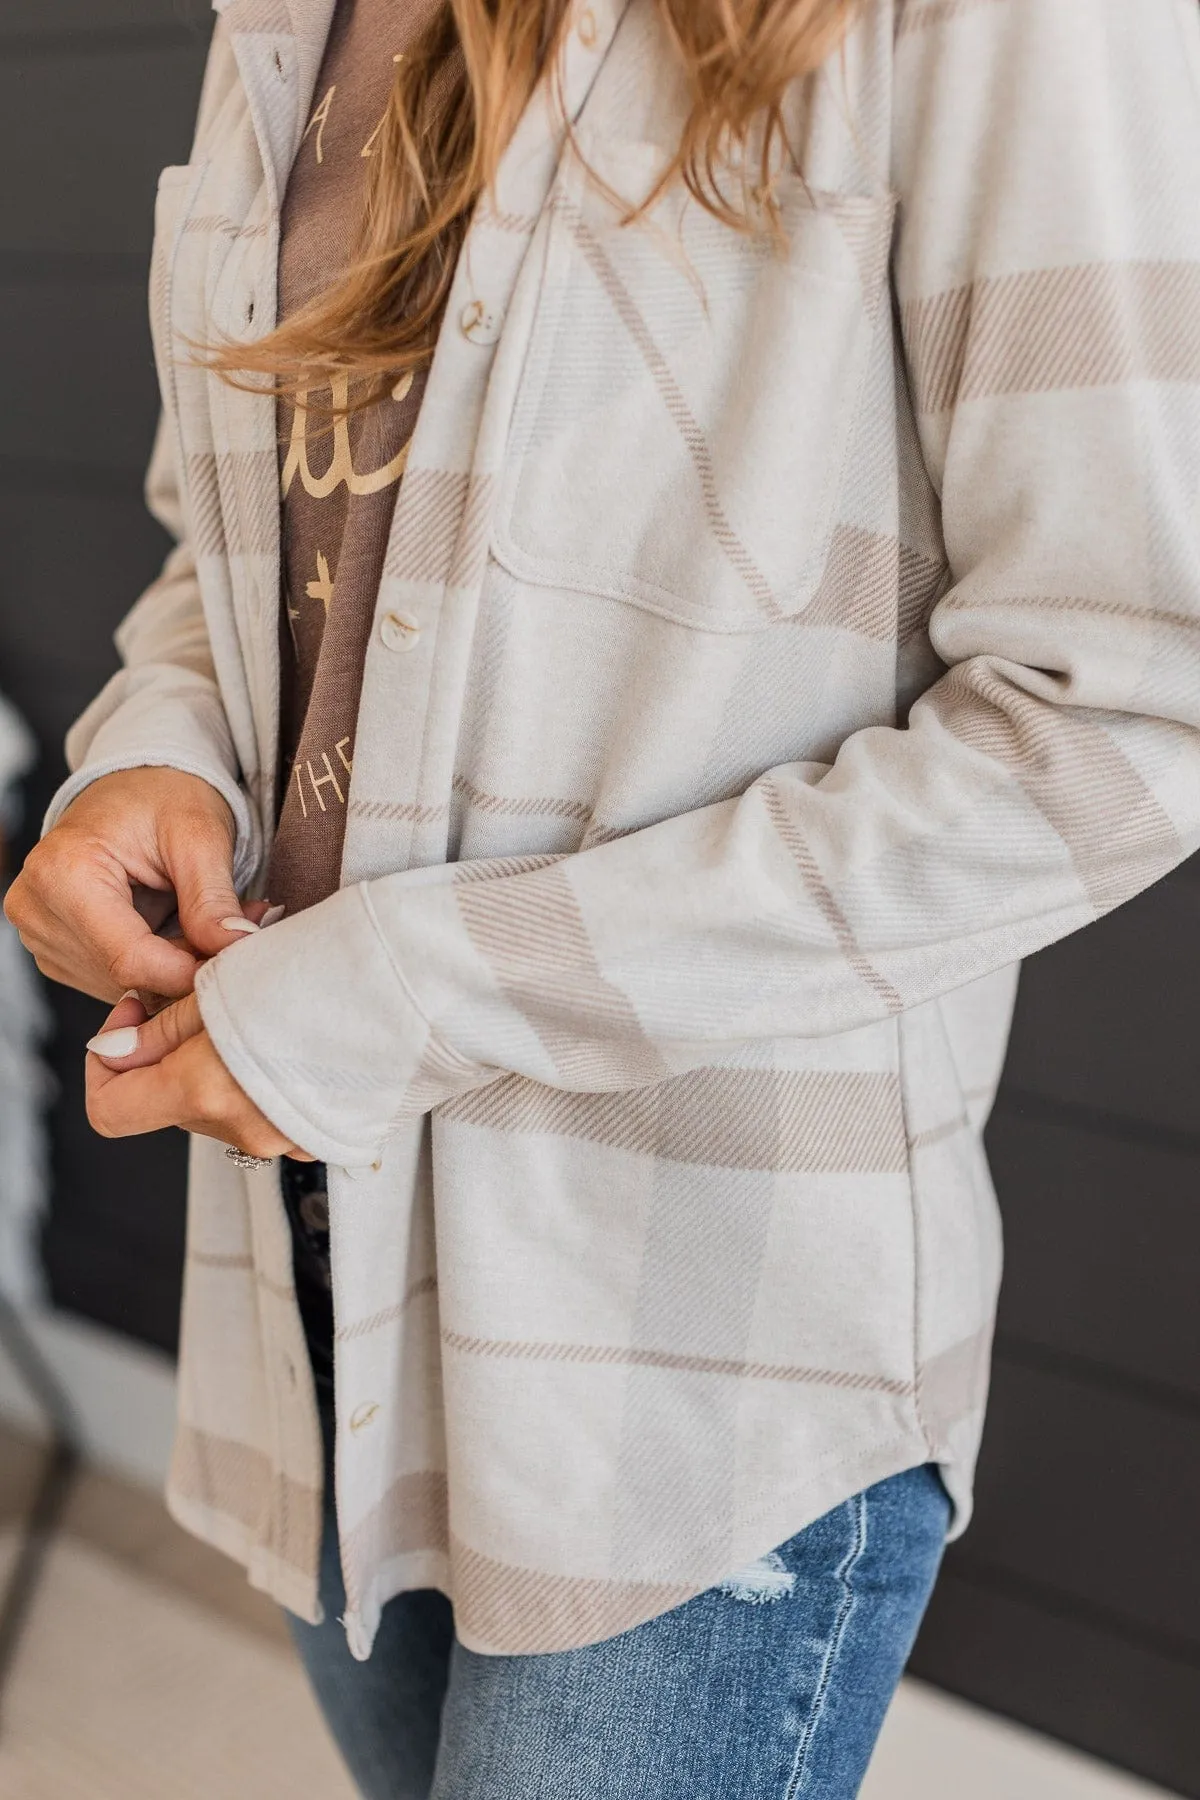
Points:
(688, 396)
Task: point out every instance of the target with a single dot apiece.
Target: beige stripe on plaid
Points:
(240, 1481)
(1051, 329)
(632, 1356)
(788, 1120)
(531, 942)
(548, 1612)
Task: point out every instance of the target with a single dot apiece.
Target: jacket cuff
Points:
(315, 1022)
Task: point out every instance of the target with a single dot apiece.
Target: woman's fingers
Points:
(132, 847)
(189, 1087)
(80, 910)
(139, 1100)
(198, 852)
(146, 1071)
(133, 1041)
(129, 1012)
(123, 1023)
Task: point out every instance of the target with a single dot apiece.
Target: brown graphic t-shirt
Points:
(338, 480)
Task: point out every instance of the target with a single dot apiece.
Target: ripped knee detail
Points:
(760, 1582)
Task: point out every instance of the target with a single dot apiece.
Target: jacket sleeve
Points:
(1047, 273)
(163, 708)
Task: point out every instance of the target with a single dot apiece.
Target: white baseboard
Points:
(122, 1393)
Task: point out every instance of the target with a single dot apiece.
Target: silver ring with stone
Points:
(244, 1160)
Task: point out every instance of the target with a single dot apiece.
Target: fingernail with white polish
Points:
(272, 916)
(130, 994)
(238, 924)
(122, 1042)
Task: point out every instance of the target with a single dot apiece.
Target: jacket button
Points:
(399, 631)
(585, 26)
(479, 323)
(363, 1415)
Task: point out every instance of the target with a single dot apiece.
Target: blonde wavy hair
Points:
(457, 97)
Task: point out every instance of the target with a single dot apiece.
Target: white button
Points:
(399, 631)
(363, 1415)
(585, 26)
(479, 322)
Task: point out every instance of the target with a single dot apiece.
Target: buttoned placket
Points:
(275, 72)
(427, 627)
(421, 650)
(422, 631)
(267, 63)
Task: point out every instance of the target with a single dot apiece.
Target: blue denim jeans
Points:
(771, 1686)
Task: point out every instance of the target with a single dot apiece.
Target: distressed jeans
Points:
(771, 1686)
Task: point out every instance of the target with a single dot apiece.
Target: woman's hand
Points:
(146, 1073)
(77, 906)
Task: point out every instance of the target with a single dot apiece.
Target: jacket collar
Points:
(278, 45)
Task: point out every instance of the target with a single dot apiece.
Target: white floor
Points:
(125, 1689)
(936, 1748)
(149, 1695)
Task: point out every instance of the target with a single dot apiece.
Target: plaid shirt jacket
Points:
(774, 646)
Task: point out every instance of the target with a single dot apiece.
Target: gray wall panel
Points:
(95, 97)
(1081, 1489)
(99, 409)
(1102, 1243)
(90, 133)
(74, 562)
(64, 20)
(1110, 1020)
(1016, 1650)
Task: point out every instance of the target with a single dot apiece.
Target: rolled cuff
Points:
(314, 1021)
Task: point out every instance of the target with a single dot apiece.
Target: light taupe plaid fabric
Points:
(760, 669)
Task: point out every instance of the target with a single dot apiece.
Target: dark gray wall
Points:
(1074, 1602)
(95, 97)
